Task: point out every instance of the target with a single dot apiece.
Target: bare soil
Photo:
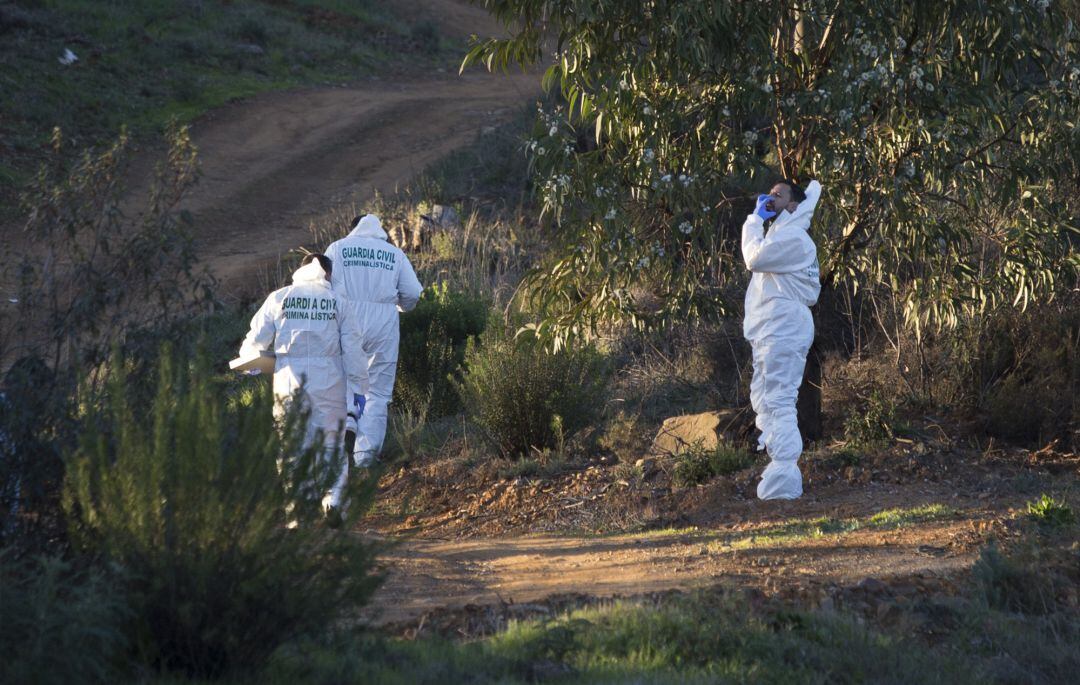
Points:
(468, 548)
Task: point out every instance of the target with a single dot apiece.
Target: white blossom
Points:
(610, 214)
(686, 227)
(540, 151)
(647, 111)
(750, 137)
(666, 178)
(767, 87)
(553, 130)
(643, 262)
(648, 155)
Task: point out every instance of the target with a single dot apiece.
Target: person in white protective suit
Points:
(378, 282)
(779, 326)
(307, 326)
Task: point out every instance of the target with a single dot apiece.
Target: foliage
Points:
(188, 496)
(1050, 512)
(35, 426)
(518, 392)
(432, 349)
(59, 625)
(874, 425)
(698, 465)
(94, 272)
(143, 63)
(1006, 584)
(942, 132)
(699, 637)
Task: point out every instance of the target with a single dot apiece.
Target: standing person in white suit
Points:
(307, 326)
(378, 281)
(779, 325)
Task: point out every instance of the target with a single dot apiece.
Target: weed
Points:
(698, 465)
(1007, 585)
(1050, 512)
(631, 473)
(188, 493)
(515, 389)
(875, 425)
(434, 337)
(59, 625)
(622, 437)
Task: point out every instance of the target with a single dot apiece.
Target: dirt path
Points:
(766, 547)
(273, 163)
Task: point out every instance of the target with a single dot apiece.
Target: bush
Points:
(873, 427)
(525, 397)
(34, 422)
(187, 495)
(698, 465)
(1050, 512)
(1008, 585)
(432, 349)
(59, 625)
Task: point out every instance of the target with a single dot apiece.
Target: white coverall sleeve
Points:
(408, 287)
(355, 363)
(781, 254)
(263, 330)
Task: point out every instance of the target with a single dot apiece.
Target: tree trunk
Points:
(808, 405)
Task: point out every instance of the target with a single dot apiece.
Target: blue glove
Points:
(761, 210)
(358, 402)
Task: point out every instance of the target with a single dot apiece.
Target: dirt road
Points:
(839, 538)
(272, 163)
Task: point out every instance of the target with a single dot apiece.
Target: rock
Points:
(706, 430)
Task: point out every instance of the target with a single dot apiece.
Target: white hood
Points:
(369, 227)
(804, 212)
(312, 272)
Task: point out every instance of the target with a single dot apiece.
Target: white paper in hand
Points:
(263, 362)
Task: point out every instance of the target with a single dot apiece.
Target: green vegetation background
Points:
(142, 63)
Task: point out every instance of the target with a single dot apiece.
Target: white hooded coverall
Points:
(780, 328)
(377, 281)
(307, 326)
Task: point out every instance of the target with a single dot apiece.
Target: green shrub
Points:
(432, 349)
(1050, 512)
(35, 421)
(187, 494)
(874, 426)
(698, 465)
(515, 389)
(58, 625)
(1008, 585)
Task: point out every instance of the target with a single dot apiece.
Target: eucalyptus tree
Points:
(944, 133)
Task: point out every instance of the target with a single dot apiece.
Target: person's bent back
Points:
(378, 281)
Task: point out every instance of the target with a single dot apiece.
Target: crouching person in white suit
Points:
(307, 326)
(378, 281)
(778, 323)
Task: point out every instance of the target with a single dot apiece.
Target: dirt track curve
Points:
(272, 163)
